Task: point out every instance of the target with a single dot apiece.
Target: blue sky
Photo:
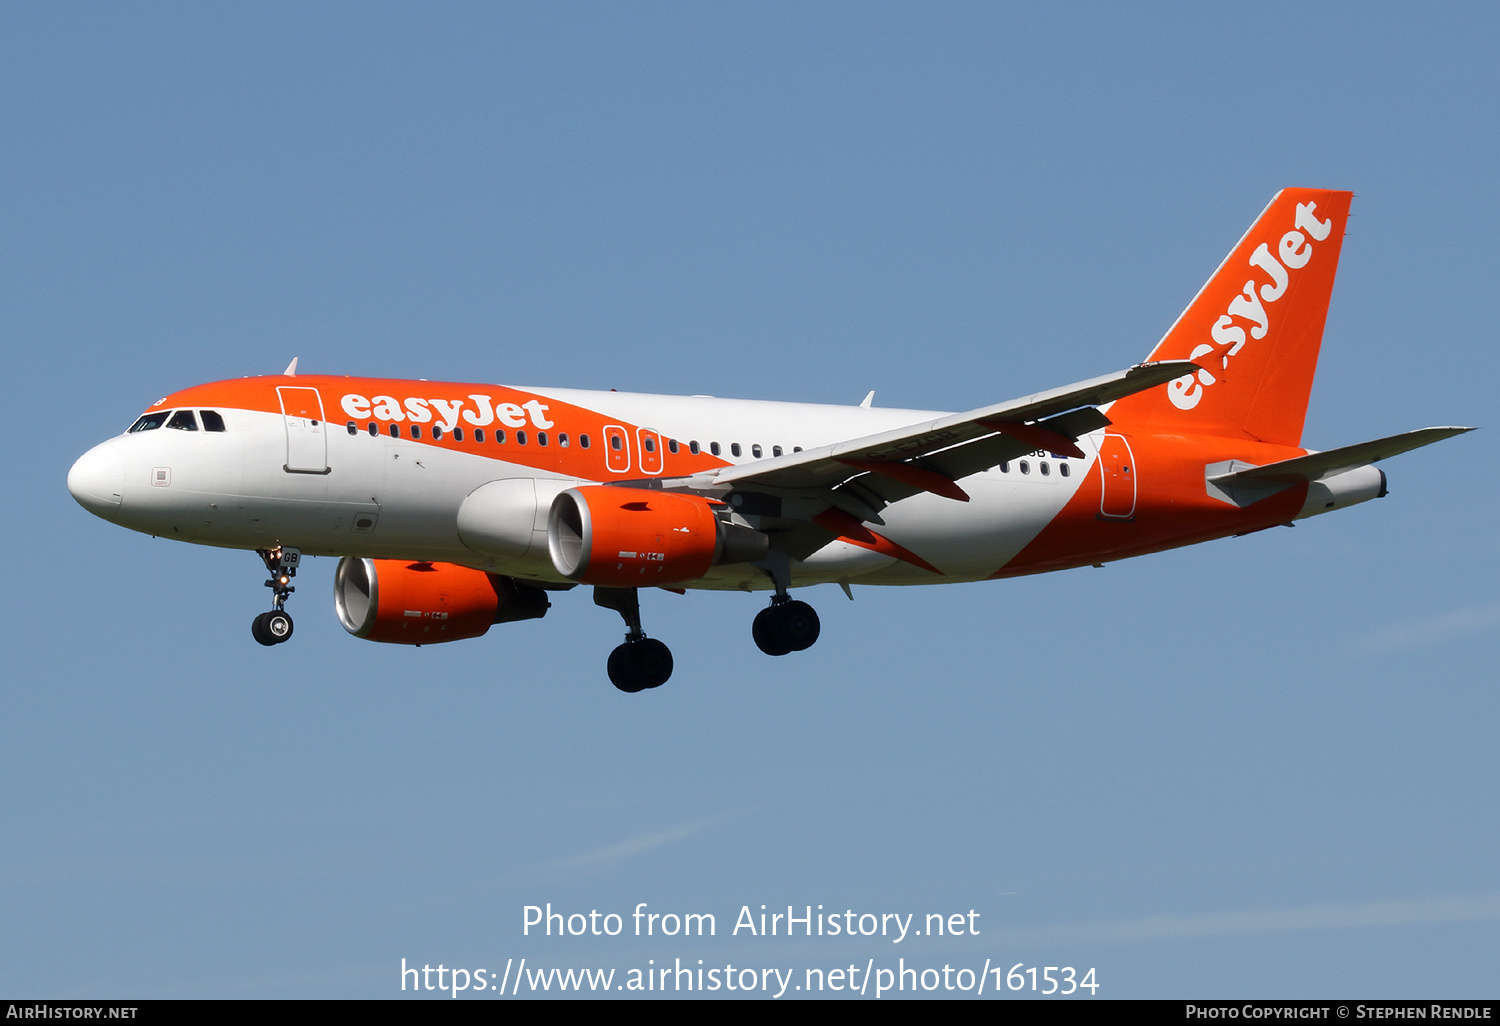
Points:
(1259, 767)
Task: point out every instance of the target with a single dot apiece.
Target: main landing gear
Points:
(641, 662)
(786, 625)
(275, 626)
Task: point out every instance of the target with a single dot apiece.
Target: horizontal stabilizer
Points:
(1241, 487)
(1319, 465)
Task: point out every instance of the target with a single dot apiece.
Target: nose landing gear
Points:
(271, 628)
(275, 626)
(641, 662)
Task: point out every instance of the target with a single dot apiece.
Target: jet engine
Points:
(634, 537)
(408, 603)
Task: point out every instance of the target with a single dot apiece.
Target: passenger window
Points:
(734, 448)
(183, 420)
(755, 451)
(395, 431)
(562, 439)
(713, 447)
(499, 437)
(583, 440)
(672, 446)
(775, 450)
(479, 434)
(416, 432)
(353, 428)
(615, 442)
(437, 432)
(650, 444)
(374, 429)
(211, 420)
(1062, 468)
(458, 434)
(1025, 467)
(150, 422)
(1005, 467)
(694, 448)
(541, 438)
(520, 438)
(1045, 467)
(796, 448)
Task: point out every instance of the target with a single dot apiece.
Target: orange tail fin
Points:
(1255, 328)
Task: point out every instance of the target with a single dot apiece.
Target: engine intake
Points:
(634, 537)
(406, 603)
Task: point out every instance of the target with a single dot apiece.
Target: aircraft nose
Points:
(97, 480)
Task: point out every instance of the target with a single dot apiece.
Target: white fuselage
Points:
(397, 498)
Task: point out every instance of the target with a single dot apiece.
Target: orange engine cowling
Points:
(634, 537)
(407, 603)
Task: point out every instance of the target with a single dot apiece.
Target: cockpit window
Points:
(212, 421)
(183, 420)
(150, 422)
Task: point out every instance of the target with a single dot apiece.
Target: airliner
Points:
(457, 506)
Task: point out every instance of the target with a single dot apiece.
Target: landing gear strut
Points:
(275, 626)
(641, 662)
(786, 625)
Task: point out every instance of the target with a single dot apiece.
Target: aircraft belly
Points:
(972, 539)
(839, 559)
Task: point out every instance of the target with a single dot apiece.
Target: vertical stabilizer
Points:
(1255, 328)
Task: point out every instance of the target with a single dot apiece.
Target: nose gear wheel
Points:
(275, 626)
(271, 628)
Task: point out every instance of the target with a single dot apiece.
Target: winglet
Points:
(291, 368)
(868, 400)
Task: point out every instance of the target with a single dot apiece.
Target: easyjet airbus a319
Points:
(458, 506)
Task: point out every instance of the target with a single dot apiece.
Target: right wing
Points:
(863, 475)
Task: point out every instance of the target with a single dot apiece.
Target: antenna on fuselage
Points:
(864, 405)
(291, 370)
